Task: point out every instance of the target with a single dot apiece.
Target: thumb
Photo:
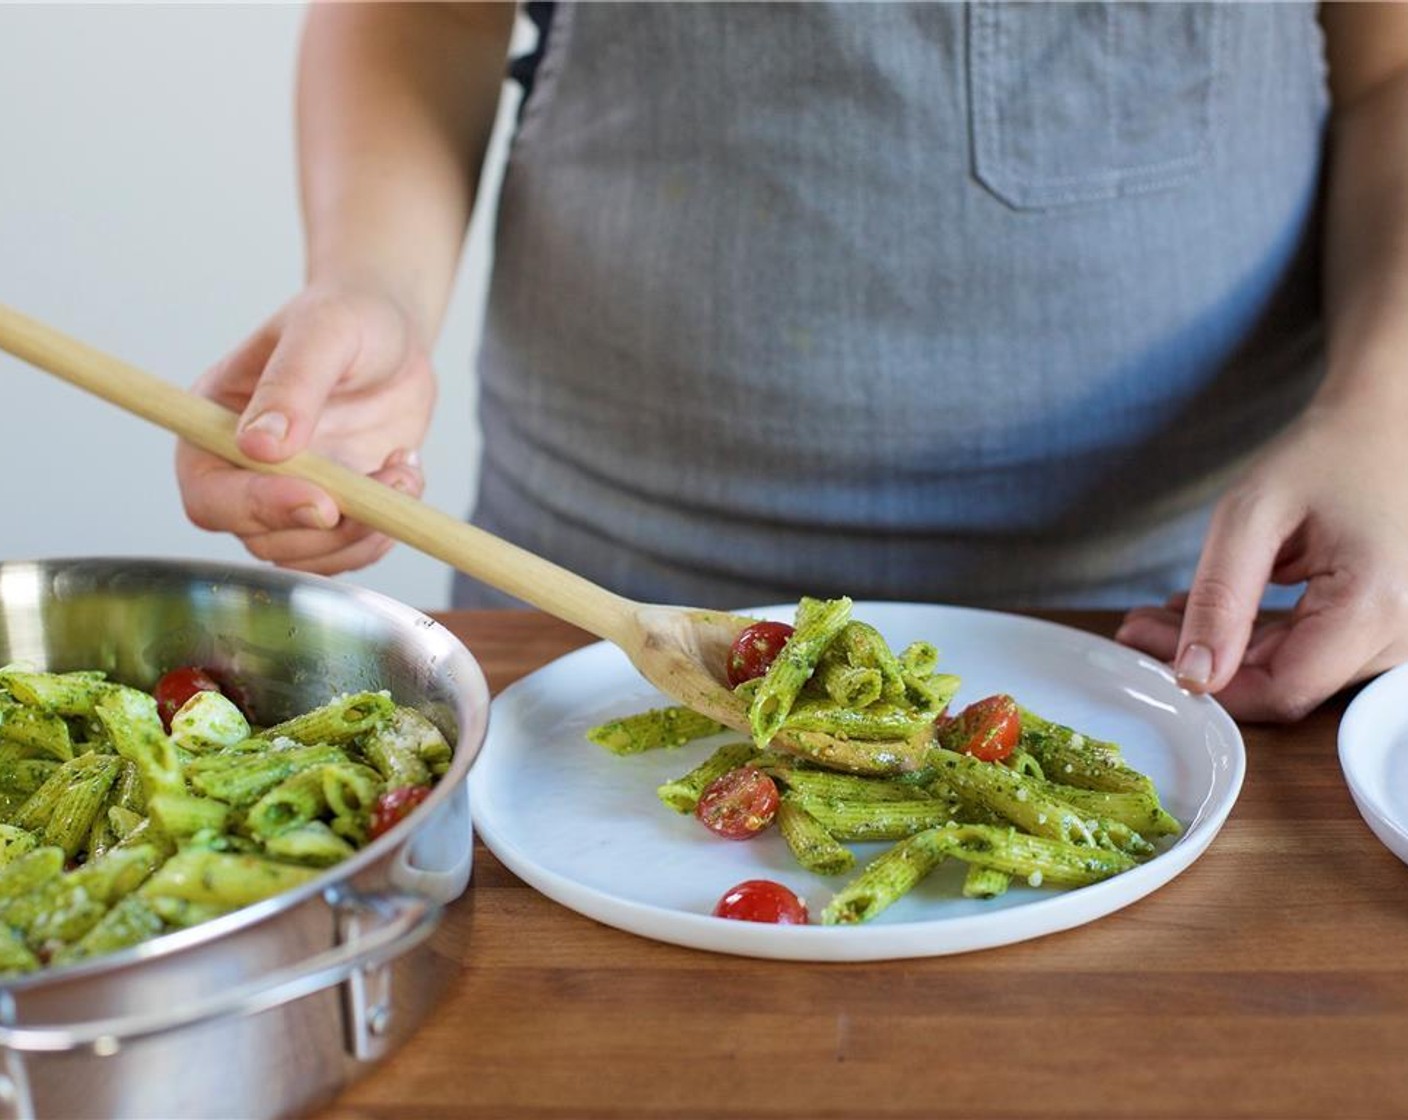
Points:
(314, 352)
(402, 471)
(1233, 571)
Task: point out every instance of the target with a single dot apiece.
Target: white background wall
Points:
(148, 205)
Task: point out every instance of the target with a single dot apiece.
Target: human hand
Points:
(1327, 505)
(343, 373)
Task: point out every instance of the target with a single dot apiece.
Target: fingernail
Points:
(1194, 666)
(404, 457)
(311, 517)
(273, 424)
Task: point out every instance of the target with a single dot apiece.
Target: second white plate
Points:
(1373, 750)
(586, 828)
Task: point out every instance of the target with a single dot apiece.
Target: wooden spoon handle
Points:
(204, 423)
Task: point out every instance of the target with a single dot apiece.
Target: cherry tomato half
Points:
(987, 729)
(394, 806)
(738, 805)
(179, 685)
(754, 650)
(762, 900)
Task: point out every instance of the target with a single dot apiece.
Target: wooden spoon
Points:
(680, 650)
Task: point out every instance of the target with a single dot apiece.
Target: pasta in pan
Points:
(116, 827)
(1010, 794)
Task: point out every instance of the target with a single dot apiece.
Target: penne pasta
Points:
(817, 624)
(114, 829)
(682, 794)
(338, 721)
(672, 726)
(1017, 797)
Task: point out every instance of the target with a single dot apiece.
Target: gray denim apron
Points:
(971, 303)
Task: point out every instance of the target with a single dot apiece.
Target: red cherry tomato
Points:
(754, 650)
(739, 804)
(987, 729)
(394, 806)
(179, 685)
(762, 900)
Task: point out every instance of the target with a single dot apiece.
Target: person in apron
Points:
(1011, 305)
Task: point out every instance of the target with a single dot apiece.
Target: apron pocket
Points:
(1074, 103)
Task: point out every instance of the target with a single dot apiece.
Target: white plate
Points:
(586, 828)
(1373, 747)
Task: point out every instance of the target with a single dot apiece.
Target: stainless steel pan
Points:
(271, 1010)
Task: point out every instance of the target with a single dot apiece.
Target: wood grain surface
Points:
(1269, 980)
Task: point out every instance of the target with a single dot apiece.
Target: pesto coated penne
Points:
(350, 791)
(851, 686)
(64, 694)
(889, 758)
(37, 731)
(1073, 759)
(294, 801)
(20, 777)
(1024, 763)
(1036, 859)
(1138, 810)
(184, 814)
(29, 873)
(985, 882)
(224, 879)
(182, 913)
(101, 835)
(16, 957)
(833, 786)
(878, 820)
(62, 809)
(70, 905)
(57, 911)
(861, 644)
(135, 729)
(932, 692)
(313, 843)
(1013, 796)
(128, 922)
(124, 822)
(343, 790)
(887, 879)
(431, 744)
(15, 842)
(817, 625)
(246, 779)
(879, 721)
(682, 794)
(810, 843)
(672, 726)
(919, 658)
(79, 804)
(338, 721)
(397, 747)
(127, 791)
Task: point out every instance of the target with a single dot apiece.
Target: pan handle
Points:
(406, 921)
(437, 860)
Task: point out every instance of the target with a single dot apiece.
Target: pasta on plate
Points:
(997, 786)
